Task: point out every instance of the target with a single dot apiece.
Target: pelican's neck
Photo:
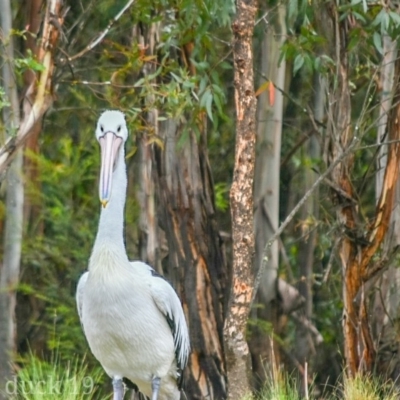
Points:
(110, 235)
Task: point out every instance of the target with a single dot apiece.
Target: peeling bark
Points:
(195, 262)
(359, 243)
(179, 232)
(150, 235)
(31, 170)
(386, 300)
(241, 200)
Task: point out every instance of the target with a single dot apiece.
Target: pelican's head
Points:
(111, 132)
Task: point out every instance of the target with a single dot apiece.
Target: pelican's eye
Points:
(119, 129)
(102, 128)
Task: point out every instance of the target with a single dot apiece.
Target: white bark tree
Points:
(10, 267)
(267, 181)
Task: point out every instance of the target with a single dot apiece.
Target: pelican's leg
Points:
(155, 387)
(118, 387)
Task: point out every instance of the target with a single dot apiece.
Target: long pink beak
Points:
(109, 144)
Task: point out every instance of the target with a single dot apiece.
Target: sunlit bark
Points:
(386, 300)
(241, 200)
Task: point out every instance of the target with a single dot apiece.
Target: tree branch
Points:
(289, 218)
(102, 34)
(42, 87)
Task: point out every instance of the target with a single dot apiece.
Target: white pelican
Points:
(131, 316)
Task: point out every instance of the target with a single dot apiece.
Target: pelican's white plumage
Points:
(131, 316)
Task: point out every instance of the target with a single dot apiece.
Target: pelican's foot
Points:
(155, 387)
(118, 387)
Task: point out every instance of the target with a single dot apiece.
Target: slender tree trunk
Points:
(34, 108)
(241, 198)
(386, 302)
(150, 234)
(9, 272)
(266, 195)
(359, 243)
(31, 207)
(386, 83)
(304, 338)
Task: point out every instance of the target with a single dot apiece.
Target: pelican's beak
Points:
(109, 144)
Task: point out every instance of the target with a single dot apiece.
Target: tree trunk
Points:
(9, 272)
(266, 195)
(195, 262)
(359, 243)
(386, 301)
(37, 101)
(150, 245)
(179, 234)
(31, 172)
(241, 200)
(304, 339)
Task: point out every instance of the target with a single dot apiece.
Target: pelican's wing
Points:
(79, 293)
(170, 306)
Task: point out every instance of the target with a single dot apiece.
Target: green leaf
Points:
(365, 6)
(359, 17)
(378, 19)
(293, 10)
(209, 100)
(395, 17)
(377, 39)
(176, 77)
(298, 63)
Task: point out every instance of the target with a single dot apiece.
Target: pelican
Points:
(131, 316)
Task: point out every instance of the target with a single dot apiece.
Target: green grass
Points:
(284, 387)
(56, 380)
(368, 388)
(281, 388)
(71, 380)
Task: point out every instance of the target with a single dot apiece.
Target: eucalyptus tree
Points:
(360, 226)
(9, 271)
(36, 101)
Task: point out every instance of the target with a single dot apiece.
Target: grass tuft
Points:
(368, 388)
(56, 380)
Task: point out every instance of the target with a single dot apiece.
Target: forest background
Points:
(323, 107)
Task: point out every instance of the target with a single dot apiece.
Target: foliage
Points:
(27, 63)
